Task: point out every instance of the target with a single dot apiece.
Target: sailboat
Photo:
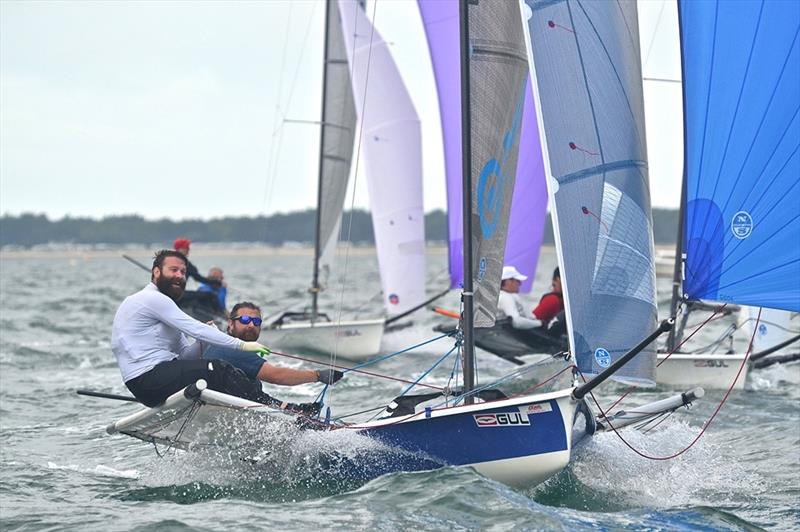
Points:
(524, 439)
(313, 329)
(529, 204)
(738, 242)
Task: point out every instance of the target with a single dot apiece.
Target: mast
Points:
(466, 165)
(315, 288)
(677, 273)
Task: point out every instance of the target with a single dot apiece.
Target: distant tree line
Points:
(31, 229)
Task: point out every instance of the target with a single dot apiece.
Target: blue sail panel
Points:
(741, 83)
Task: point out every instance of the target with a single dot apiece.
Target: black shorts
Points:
(153, 388)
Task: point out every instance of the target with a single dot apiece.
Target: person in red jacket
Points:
(551, 303)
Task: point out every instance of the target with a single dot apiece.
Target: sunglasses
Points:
(245, 320)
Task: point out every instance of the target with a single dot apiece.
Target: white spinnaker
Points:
(391, 148)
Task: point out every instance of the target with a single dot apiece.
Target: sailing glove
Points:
(329, 376)
(257, 348)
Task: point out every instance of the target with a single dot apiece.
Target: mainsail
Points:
(741, 86)
(498, 70)
(589, 86)
(336, 144)
(392, 154)
(529, 204)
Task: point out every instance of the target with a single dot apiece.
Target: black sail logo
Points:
(505, 419)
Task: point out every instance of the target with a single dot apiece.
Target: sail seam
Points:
(600, 169)
(722, 159)
(752, 144)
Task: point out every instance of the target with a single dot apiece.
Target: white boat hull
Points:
(352, 340)
(706, 371)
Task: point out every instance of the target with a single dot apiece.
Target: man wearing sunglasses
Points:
(149, 339)
(245, 324)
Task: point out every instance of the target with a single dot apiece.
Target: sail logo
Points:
(539, 408)
(394, 299)
(762, 330)
(602, 357)
(742, 225)
(510, 419)
(493, 179)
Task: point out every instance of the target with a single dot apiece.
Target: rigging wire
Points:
(278, 130)
(276, 122)
(677, 347)
(655, 33)
(335, 352)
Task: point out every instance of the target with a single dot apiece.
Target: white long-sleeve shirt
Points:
(149, 328)
(510, 306)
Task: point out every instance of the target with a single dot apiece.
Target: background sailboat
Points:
(314, 330)
(741, 189)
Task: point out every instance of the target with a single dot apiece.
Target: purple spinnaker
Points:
(529, 203)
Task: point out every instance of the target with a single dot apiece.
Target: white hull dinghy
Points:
(352, 340)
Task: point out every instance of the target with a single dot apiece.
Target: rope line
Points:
(705, 425)
(631, 388)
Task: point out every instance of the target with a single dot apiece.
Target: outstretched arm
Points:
(191, 271)
(291, 377)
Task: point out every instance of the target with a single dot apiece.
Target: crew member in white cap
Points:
(509, 305)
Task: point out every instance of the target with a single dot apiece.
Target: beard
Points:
(171, 287)
(248, 334)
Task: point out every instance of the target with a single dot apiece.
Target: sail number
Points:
(710, 364)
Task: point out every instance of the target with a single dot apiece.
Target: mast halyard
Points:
(315, 288)
(466, 161)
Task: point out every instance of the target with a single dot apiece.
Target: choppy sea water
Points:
(60, 470)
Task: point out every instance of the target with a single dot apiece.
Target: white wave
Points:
(606, 465)
(100, 470)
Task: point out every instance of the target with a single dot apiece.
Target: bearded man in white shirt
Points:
(155, 357)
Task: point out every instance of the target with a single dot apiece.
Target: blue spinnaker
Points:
(741, 85)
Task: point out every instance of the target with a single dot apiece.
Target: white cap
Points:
(510, 272)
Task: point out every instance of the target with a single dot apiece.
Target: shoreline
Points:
(212, 250)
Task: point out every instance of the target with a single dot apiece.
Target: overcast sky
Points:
(176, 109)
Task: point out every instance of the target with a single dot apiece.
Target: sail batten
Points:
(741, 83)
(587, 67)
